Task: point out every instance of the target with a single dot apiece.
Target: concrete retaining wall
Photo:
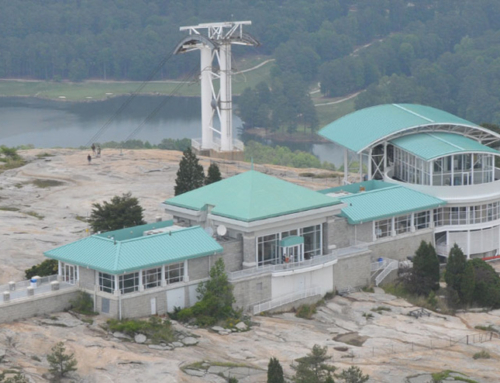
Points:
(42, 304)
(401, 246)
(353, 271)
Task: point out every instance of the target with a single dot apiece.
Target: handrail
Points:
(393, 265)
(285, 299)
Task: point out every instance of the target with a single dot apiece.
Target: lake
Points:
(48, 123)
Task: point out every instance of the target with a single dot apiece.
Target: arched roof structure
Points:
(368, 127)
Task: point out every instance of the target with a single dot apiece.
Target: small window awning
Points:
(293, 240)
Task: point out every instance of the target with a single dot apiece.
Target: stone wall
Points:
(400, 246)
(353, 271)
(86, 278)
(36, 305)
(340, 232)
(252, 290)
(233, 254)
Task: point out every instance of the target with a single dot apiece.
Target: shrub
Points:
(482, 355)
(46, 268)
(83, 304)
(61, 363)
(306, 311)
(155, 328)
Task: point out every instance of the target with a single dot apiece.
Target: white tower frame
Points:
(216, 45)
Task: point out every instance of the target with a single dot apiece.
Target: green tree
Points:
(353, 375)
(16, 378)
(213, 174)
(61, 363)
(275, 371)
(455, 267)
(190, 175)
(119, 213)
(215, 296)
(312, 368)
(487, 284)
(424, 277)
(467, 284)
(44, 269)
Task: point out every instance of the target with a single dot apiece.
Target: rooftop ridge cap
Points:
(446, 141)
(168, 232)
(373, 191)
(117, 255)
(412, 112)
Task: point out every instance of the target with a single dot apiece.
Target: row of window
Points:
(458, 169)
(402, 224)
(151, 278)
(467, 215)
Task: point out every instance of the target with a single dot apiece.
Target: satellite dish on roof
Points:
(209, 231)
(221, 230)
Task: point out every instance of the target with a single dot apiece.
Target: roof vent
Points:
(362, 189)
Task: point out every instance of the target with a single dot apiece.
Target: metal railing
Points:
(318, 260)
(379, 265)
(285, 299)
(393, 265)
(27, 283)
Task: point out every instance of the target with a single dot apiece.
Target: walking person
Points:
(93, 148)
(89, 158)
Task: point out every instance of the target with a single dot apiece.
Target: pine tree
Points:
(455, 267)
(425, 274)
(213, 174)
(312, 367)
(467, 284)
(275, 371)
(190, 175)
(353, 375)
(60, 362)
(119, 213)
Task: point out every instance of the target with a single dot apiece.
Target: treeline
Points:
(79, 39)
(165, 144)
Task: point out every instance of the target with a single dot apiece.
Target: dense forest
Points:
(443, 53)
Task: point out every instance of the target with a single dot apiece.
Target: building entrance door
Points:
(69, 274)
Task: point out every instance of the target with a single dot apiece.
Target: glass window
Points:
(106, 282)
(312, 241)
(174, 273)
(422, 220)
(151, 278)
(129, 283)
(383, 228)
(267, 250)
(403, 224)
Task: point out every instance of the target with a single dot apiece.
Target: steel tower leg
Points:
(206, 98)
(226, 98)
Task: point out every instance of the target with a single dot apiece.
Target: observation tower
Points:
(214, 41)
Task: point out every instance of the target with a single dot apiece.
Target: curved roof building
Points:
(435, 153)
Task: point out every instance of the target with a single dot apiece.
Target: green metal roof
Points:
(292, 240)
(434, 145)
(118, 257)
(358, 187)
(134, 232)
(252, 196)
(385, 203)
(358, 130)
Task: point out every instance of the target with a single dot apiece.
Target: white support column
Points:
(412, 223)
(452, 170)
(117, 285)
(472, 169)
(141, 282)
(225, 97)
(206, 98)
(385, 157)
(370, 164)
(393, 226)
(447, 242)
(59, 268)
(431, 173)
(346, 166)
(163, 281)
(431, 218)
(186, 274)
(373, 231)
(361, 166)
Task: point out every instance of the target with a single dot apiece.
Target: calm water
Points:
(46, 123)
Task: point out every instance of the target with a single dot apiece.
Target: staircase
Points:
(389, 267)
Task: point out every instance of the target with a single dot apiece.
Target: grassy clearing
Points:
(489, 328)
(482, 355)
(438, 377)
(9, 208)
(99, 90)
(205, 365)
(156, 329)
(329, 113)
(46, 183)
